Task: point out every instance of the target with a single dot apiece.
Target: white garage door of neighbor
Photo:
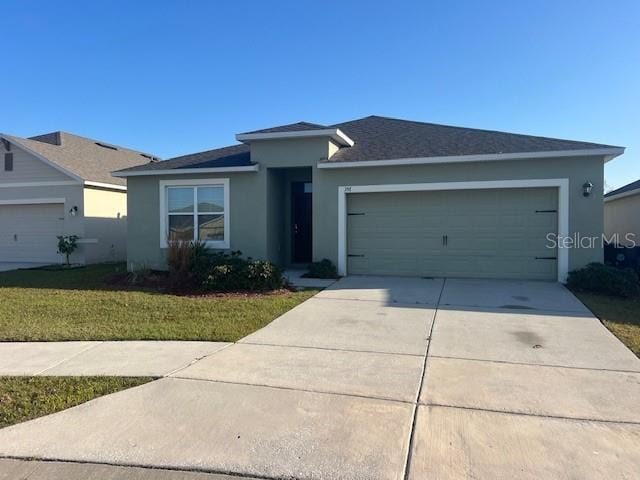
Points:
(28, 232)
(498, 233)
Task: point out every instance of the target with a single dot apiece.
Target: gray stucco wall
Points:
(247, 210)
(256, 199)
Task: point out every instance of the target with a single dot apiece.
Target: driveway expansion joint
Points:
(546, 365)
(381, 302)
(331, 349)
(195, 360)
(412, 431)
(526, 414)
(147, 467)
(279, 387)
(517, 310)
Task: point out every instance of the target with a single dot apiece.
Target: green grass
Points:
(41, 305)
(24, 398)
(620, 315)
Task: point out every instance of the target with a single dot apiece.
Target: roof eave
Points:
(606, 153)
(618, 196)
(185, 171)
(335, 134)
(105, 186)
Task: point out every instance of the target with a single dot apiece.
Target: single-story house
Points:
(622, 214)
(61, 184)
(378, 196)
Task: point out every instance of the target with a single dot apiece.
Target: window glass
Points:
(180, 200)
(180, 228)
(210, 199)
(211, 228)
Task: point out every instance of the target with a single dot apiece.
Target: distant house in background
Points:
(622, 213)
(61, 183)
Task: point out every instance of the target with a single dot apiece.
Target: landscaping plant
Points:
(600, 278)
(322, 269)
(231, 272)
(67, 244)
(185, 260)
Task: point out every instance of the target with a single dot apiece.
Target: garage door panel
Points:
(28, 232)
(490, 233)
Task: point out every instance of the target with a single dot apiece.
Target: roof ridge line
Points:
(457, 127)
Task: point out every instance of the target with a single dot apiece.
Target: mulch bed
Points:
(158, 281)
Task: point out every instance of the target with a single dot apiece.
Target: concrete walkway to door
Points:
(379, 378)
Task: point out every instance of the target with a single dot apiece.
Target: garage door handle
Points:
(445, 240)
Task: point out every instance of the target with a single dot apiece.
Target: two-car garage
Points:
(486, 233)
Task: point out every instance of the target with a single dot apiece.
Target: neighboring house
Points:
(622, 214)
(57, 184)
(378, 196)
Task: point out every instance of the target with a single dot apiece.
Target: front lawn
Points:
(620, 315)
(77, 304)
(24, 398)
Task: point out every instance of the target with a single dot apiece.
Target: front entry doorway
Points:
(301, 225)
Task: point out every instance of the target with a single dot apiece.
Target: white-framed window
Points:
(195, 210)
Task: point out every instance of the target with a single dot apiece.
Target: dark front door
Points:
(301, 221)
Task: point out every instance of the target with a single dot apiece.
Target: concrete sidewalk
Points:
(144, 358)
(377, 378)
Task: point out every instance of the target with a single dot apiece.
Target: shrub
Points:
(231, 272)
(599, 278)
(322, 269)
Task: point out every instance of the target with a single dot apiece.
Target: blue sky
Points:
(174, 77)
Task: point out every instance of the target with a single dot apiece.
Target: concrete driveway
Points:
(381, 378)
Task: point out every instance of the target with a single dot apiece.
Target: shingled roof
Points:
(633, 186)
(383, 138)
(91, 160)
(233, 156)
(292, 127)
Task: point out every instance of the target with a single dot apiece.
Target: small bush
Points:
(186, 260)
(599, 278)
(231, 272)
(322, 269)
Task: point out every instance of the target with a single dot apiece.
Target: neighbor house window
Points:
(196, 212)
(8, 162)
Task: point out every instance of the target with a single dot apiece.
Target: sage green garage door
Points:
(498, 233)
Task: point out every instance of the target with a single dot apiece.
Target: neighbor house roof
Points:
(85, 158)
(631, 189)
(375, 139)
